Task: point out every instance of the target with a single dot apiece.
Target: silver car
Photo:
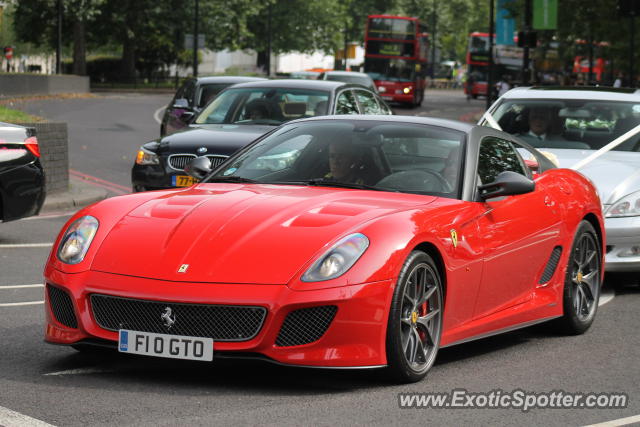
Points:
(572, 123)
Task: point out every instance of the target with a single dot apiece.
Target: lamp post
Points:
(195, 41)
(490, 67)
(59, 38)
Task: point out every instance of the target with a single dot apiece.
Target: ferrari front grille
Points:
(305, 325)
(551, 265)
(179, 161)
(220, 322)
(61, 306)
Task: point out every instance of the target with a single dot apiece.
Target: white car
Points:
(349, 77)
(573, 123)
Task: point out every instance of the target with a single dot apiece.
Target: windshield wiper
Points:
(231, 179)
(330, 183)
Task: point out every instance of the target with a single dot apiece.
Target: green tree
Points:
(77, 17)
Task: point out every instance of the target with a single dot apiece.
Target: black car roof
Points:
(451, 124)
(228, 79)
(327, 85)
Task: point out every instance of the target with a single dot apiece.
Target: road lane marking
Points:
(9, 418)
(81, 371)
(48, 215)
(26, 245)
(15, 304)
(156, 117)
(618, 422)
(21, 286)
(606, 297)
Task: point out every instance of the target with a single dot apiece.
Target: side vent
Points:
(552, 264)
(305, 325)
(62, 307)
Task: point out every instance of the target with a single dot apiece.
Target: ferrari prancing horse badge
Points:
(454, 238)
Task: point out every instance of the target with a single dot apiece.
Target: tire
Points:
(414, 326)
(582, 282)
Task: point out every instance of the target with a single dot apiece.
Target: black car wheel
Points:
(415, 319)
(582, 282)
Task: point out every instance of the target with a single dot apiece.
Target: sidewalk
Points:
(80, 194)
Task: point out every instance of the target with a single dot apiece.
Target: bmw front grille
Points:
(179, 161)
(220, 322)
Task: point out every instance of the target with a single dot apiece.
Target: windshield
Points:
(399, 157)
(398, 70)
(264, 106)
(576, 124)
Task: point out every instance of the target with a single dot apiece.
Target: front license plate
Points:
(183, 181)
(160, 345)
(387, 97)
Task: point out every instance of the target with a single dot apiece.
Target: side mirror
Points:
(507, 183)
(187, 116)
(198, 167)
(181, 103)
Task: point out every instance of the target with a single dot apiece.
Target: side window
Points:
(384, 108)
(180, 92)
(346, 103)
(190, 92)
(498, 155)
(368, 102)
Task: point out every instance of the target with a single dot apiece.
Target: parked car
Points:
(191, 98)
(306, 75)
(572, 123)
(238, 116)
(22, 190)
(349, 77)
(337, 242)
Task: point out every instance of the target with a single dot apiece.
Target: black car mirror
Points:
(187, 116)
(507, 183)
(198, 167)
(181, 103)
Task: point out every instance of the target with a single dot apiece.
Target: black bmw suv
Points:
(239, 115)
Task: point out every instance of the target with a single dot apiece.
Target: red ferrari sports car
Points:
(340, 241)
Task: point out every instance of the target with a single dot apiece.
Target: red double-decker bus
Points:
(396, 49)
(477, 65)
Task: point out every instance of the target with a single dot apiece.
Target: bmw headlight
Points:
(146, 157)
(77, 239)
(627, 206)
(337, 260)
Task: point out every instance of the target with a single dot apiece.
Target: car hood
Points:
(218, 139)
(615, 174)
(235, 233)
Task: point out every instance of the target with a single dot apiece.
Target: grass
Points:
(9, 115)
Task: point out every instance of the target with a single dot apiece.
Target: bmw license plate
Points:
(183, 181)
(161, 345)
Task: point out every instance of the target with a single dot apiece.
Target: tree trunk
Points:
(128, 59)
(79, 48)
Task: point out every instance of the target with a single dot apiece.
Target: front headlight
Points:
(146, 157)
(627, 206)
(77, 239)
(337, 260)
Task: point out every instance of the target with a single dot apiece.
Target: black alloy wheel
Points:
(415, 319)
(582, 282)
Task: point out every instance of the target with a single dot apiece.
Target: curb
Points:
(80, 194)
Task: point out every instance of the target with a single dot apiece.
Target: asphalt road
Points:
(59, 386)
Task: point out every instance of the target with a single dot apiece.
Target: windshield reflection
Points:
(387, 156)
